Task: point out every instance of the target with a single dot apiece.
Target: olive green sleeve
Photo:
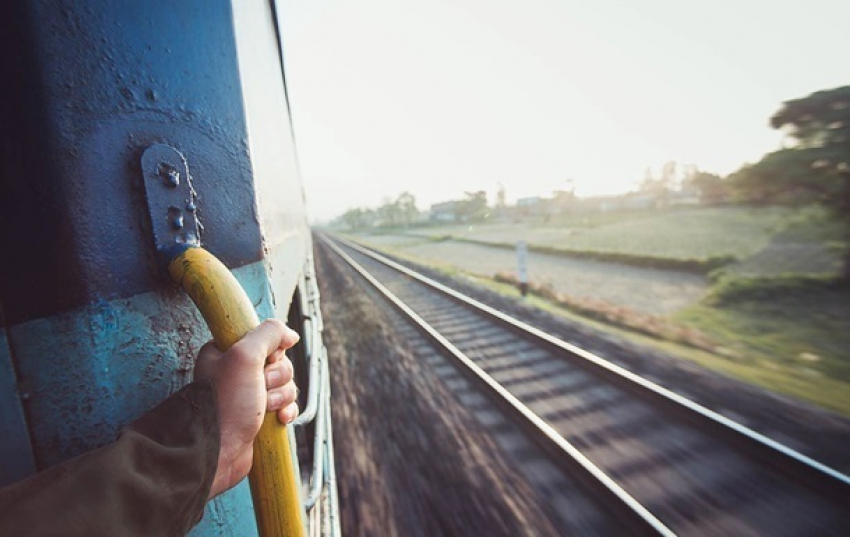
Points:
(153, 481)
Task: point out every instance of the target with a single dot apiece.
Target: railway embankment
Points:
(411, 461)
(712, 483)
(802, 426)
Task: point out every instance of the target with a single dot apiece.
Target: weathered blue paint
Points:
(93, 369)
(15, 452)
(231, 515)
(97, 333)
(90, 371)
(92, 83)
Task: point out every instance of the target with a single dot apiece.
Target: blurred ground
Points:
(411, 461)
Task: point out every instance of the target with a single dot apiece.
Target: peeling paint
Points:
(94, 369)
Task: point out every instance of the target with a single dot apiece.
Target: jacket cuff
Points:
(153, 480)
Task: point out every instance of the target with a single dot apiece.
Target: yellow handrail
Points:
(230, 315)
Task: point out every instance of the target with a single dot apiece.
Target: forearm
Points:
(153, 480)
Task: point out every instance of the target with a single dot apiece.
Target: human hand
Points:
(252, 377)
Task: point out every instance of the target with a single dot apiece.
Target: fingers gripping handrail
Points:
(230, 315)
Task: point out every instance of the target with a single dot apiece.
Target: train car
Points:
(133, 133)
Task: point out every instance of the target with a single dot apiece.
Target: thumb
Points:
(209, 361)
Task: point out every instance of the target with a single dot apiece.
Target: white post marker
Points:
(522, 266)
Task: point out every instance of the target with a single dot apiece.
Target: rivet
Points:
(170, 174)
(173, 178)
(191, 207)
(177, 221)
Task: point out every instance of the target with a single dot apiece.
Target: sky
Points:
(440, 97)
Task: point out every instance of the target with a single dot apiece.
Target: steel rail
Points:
(600, 363)
(638, 512)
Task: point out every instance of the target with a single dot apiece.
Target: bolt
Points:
(170, 174)
(173, 178)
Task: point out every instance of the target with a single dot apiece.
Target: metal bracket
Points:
(171, 198)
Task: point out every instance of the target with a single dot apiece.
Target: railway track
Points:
(659, 463)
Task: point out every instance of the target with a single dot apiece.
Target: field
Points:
(681, 235)
(709, 232)
(643, 289)
(770, 314)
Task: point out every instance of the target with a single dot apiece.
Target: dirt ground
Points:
(647, 290)
(411, 461)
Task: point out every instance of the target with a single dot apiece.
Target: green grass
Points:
(812, 224)
(825, 382)
(788, 334)
(810, 243)
(685, 234)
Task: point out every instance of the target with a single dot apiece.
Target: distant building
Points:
(685, 198)
(530, 206)
(447, 211)
(529, 202)
(639, 202)
(607, 204)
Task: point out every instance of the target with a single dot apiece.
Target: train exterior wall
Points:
(94, 334)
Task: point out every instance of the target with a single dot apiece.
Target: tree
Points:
(786, 176)
(710, 187)
(669, 173)
(408, 212)
(821, 120)
(687, 173)
(389, 213)
(816, 166)
(501, 198)
(358, 219)
(474, 207)
(659, 187)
